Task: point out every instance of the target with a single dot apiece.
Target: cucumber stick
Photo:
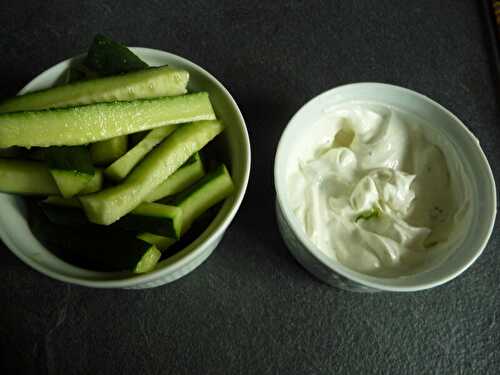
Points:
(108, 205)
(106, 152)
(210, 190)
(104, 58)
(161, 242)
(155, 218)
(97, 122)
(71, 168)
(71, 182)
(95, 247)
(26, 177)
(122, 167)
(148, 83)
(207, 192)
(95, 184)
(185, 176)
(149, 259)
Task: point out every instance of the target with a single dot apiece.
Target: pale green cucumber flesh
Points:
(161, 242)
(178, 181)
(110, 204)
(148, 261)
(208, 191)
(106, 152)
(97, 122)
(95, 184)
(143, 84)
(122, 167)
(70, 183)
(26, 177)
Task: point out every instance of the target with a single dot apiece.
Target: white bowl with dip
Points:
(351, 231)
(235, 146)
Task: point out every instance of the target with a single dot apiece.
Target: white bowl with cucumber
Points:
(128, 176)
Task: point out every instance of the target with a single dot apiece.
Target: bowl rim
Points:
(137, 280)
(363, 279)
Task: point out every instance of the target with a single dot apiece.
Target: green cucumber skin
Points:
(26, 177)
(71, 168)
(148, 83)
(98, 122)
(158, 219)
(107, 57)
(184, 177)
(106, 152)
(75, 158)
(12, 152)
(211, 189)
(91, 247)
(155, 218)
(122, 167)
(37, 153)
(167, 227)
(108, 205)
(64, 215)
(61, 202)
(78, 72)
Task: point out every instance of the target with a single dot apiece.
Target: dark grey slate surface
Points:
(251, 309)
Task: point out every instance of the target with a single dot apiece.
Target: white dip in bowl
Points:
(381, 188)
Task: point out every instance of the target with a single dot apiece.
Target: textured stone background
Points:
(251, 309)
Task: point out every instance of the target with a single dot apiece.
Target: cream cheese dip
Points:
(379, 190)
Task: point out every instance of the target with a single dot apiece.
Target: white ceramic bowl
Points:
(16, 234)
(472, 157)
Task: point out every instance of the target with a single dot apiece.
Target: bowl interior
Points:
(468, 150)
(233, 147)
